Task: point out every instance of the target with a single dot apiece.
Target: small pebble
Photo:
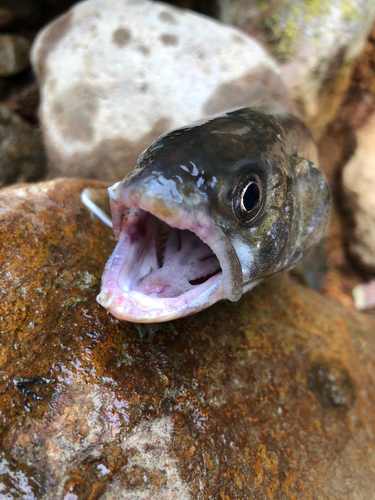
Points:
(364, 295)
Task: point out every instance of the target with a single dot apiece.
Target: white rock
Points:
(114, 75)
(317, 43)
(359, 191)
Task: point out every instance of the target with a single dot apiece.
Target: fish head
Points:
(274, 207)
(210, 210)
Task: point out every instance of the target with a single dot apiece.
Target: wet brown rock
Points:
(271, 397)
(21, 150)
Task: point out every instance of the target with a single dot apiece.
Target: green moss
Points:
(86, 281)
(350, 10)
(73, 301)
(263, 5)
(314, 7)
(124, 359)
(285, 27)
(288, 38)
(283, 37)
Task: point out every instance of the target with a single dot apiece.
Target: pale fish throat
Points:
(162, 269)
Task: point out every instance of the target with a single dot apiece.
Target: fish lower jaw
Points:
(135, 306)
(158, 272)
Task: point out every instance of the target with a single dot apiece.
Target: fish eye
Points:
(248, 198)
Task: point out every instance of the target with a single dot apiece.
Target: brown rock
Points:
(271, 397)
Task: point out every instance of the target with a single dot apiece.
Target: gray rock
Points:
(21, 150)
(114, 76)
(14, 54)
(359, 192)
(316, 43)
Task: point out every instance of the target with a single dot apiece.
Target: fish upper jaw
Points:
(140, 285)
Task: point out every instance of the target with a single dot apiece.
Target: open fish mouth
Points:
(159, 272)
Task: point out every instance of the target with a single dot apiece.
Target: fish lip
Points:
(135, 306)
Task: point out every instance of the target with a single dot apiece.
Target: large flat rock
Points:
(271, 397)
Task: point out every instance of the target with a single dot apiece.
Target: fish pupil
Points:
(250, 197)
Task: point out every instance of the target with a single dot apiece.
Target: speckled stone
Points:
(271, 397)
(116, 75)
(316, 43)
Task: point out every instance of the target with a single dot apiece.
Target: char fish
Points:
(211, 210)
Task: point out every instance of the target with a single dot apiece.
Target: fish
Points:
(211, 210)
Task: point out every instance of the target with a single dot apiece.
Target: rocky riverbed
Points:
(270, 397)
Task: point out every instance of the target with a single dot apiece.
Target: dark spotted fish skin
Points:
(279, 148)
